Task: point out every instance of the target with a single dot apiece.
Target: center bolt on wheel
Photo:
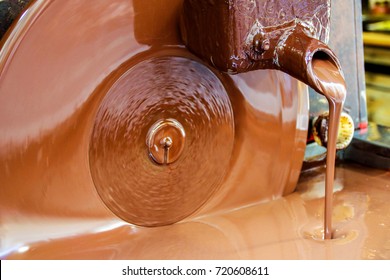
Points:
(165, 141)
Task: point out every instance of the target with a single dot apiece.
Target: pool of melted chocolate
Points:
(285, 44)
(286, 228)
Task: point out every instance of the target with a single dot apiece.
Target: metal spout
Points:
(295, 53)
(241, 36)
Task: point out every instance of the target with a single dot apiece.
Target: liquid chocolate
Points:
(179, 92)
(262, 40)
(48, 117)
(286, 228)
(239, 36)
(50, 205)
(333, 88)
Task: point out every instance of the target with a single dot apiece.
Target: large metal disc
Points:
(189, 104)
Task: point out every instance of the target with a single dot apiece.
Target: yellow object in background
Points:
(379, 26)
(345, 133)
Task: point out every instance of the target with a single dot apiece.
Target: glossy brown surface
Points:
(237, 36)
(330, 80)
(136, 188)
(287, 228)
(165, 141)
(50, 208)
(54, 80)
(279, 35)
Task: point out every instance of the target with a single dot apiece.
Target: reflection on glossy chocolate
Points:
(287, 228)
(161, 88)
(262, 39)
(47, 121)
(332, 84)
(238, 36)
(46, 139)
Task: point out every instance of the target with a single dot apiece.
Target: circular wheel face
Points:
(103, 111)
(162, 140)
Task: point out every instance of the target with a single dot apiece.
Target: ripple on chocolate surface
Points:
(129, 182)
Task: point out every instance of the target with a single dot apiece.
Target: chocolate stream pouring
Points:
(241, 36)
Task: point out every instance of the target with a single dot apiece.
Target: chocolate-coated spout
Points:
(241, 36)
(304, 57)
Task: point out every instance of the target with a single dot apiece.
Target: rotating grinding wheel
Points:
(102, 111)
(162, 140)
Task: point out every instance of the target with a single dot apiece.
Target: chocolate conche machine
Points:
(124, 134)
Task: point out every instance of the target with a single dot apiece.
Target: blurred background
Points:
(376, 38)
